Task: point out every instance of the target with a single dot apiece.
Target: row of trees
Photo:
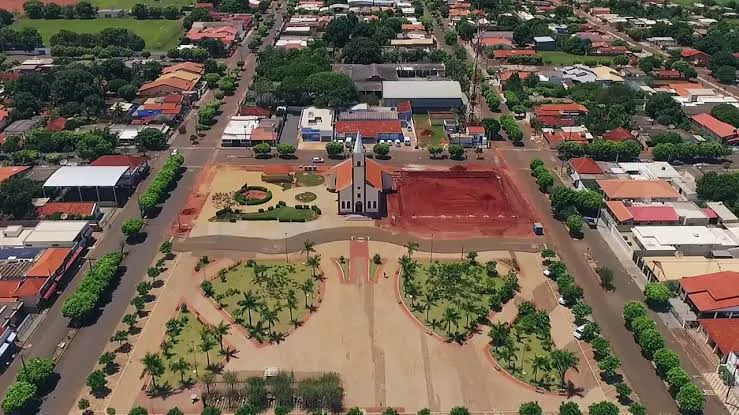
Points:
(107, 37)
(93, 289)
(33, 380)
(572, 408)
(689, 151)
(600, 150)
(689, 397)
(512, 129)
(34, 9)
(567, 201)
(143, 12)
(491, 97)
(726, 113)
(162, 183)
(89, 145)
(543, 176)
(26, 38)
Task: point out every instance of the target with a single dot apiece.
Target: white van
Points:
(407, 140)
(348, 142)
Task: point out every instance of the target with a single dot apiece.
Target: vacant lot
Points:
(158, 34)
(564, 58)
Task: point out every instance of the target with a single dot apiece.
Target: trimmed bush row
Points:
(688, 396)
(510, 126)
(162, 184)
(94, 285)
(544, 177)
(242, 200)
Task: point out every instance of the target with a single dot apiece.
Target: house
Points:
(578, 134)
(34, 65)
(424, 95)
(680, 240)
(640, 190)
(371, 131)
(663, 42)
(626, 215)
(507, 53)
(191, 67)
(583, 172)
(619, 134)
(317, 124)
(360, 183)
(20, 127)
(695, 56)
(544, 43)
(6, 172)
(255, 110)
(712, 296)
(667, 74)
(506, 75)
(160, 109)
(47, 234)
(227, 32)
(167, 85)
(238, 131)
(69, 210)
(368, 78)
(555, 115)
(715, 128)
(724, 216)
(722, 335)
(581, 74)
(138, 166)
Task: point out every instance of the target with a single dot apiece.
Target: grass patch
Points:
(373, 268)
(564, 58)
(310, 179)
(158, 34)
(185, 344)
(284, 291)
(519, 360)
(282, 214)
(128, 4)
(306, 197)
(453, 297)
(344, 267)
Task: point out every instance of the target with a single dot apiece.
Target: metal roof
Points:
(421, 89)
(86, 176)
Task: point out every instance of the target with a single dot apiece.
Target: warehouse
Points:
(102, 184)
(424, 95)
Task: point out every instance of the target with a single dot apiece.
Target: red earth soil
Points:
(459, 201)
(255, 194)
(17, 5)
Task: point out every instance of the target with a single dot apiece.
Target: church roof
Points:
(373, 174)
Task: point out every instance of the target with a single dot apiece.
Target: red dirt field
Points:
(460, 201)
(17, 5)
(194, 204)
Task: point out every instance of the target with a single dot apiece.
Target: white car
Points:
(547, 273)
(317, 160)
(561, 300)
(381, 142)
(397, 143)
(578, 332)
(175, 151)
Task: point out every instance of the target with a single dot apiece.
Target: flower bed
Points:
(252, 195)
(306, 197)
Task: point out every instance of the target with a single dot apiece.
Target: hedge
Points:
(242, 200)
(95, 284)
(162, 183)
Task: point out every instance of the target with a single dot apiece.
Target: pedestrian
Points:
(384, 274)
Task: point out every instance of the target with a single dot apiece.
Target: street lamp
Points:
(287, 259)
(432, 247)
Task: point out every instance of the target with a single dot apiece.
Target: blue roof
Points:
(20, 252)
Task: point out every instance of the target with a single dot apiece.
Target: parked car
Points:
(397, 143)
(317, 160)
(561, 300)
(578, 332)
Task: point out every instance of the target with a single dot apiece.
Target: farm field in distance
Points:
(158, 34)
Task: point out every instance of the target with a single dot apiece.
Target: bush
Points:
(91, 290)
(657, 294)
(665, 359)
(632, 310)
(690, 398)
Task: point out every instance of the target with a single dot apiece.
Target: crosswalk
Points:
(719, 388)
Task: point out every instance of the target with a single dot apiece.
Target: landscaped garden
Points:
(268, 298)
(525, 349)
(252, 195)
(184, 352)
(306, 197)
(454, 297)
(309, 179)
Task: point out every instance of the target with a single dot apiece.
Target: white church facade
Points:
(360, 183)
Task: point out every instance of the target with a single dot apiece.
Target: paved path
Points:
(295, 243)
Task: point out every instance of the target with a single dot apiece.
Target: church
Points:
(360, 183)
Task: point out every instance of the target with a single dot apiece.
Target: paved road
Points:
(82, 353)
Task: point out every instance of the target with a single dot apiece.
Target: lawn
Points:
(284, 291)
(452, 297)
(158, 34)
(426, 133)
(564, 58)
(283, 214)
(309, 179)
(528, 348)
(128, 4)
(186, 345)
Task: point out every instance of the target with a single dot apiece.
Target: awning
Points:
(70, 261)
(50, 292)
(3, 348)
(11, 338)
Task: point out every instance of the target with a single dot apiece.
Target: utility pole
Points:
(470, 115)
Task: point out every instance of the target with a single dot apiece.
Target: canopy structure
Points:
(92, 178)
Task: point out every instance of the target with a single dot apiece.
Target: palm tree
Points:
(260, 272)
(562, 361)
(180, 366)
(429, 300)
(411, 247)
(451, 316)
(231, 378)
(153, 366)
(166, 347)
(206, 343)
(307, 288)
(308, 248)
(269, 316)
(499, 334)
(292, 302)
(314, 261)
(220, 330)
(540, 362)
(248, 303)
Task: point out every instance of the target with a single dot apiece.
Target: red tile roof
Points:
(192, 67)
(668, 74)
(343, 172)
(227, 34)
(119, 160)
(619, 210)
(263, 134)
(723, 331)
(554, 138)
(27, 287)
(369, 128)
(373, 174)
(710, 213)
(56, 124)
(495, 41)
(7, 172)
(50, 261)
(255, 111)
(557, 109)
(618, 134)
(404, 106)
(506, 75)
(662, 213)
(505, 54)
(585, 165)
(83, 209)
(717, 127)
(691, 53)
(475, 129)
(637, 189)
(4, 113)
(711, 292)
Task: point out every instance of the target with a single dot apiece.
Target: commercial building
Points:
(317, 124)
(370, 131)
(137, 167)
(642, 190)
(672, 268)
(238, 132)
(714, 295)
(680, 240)
(544, 43)
(424, 95)
(127, 134)
(369, 78)
(102, 184)
(584, 171)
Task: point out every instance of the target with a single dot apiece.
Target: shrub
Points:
(665, 359)
(632, 310)
(690, 399)
(657, 294)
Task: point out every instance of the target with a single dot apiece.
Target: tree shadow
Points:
(137, 239)
(101, 393)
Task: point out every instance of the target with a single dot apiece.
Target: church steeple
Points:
(358, 147)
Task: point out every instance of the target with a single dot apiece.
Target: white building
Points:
(681, 240)
(317, 124)
(360, 183)
(238, 131)
(47, 234)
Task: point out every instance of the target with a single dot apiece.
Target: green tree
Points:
(459, 410)
(562, 361)
(96, 382)
(362, 50)
(151, 139)
(491, 126)
(677, 377)
(177, 411)
(601, 347)
(725, 74)
(665, 359)
(450, 37)
(219, 331)
(139, 410)
(624, 391)
(581, 311)
(381, 149)
(456, 151)
(657, 294)
(535, 164)
(19, 396)
(334, 148)
(434, 150)
(37, 371)
(603, 408)
(637, 409)
(530, 408)
(153, 366)
(166, 248)
(650, 341)
(690, 398)
(131, 227)
(609, 365)
(16, 196)
(210, 410)
(632, 310)
(285, 149)
(262, 149)
(575, 223)
(331, 89)
(569, 408)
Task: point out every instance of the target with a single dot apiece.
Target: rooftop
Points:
(7, 172)
(82, 209)
(421, 89)
(115, 160)
(637, 189)
(585, 165)
(317, 118)
(49, 262)
(86, 176)
(369, 128)
(717, 127)
(618, 134)
(723, 331)
(713, 292)
(673, 237)
(671, 268)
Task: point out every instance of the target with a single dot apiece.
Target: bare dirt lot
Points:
(460, 200)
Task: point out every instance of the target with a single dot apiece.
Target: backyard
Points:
(564, 58)
(158, 34)
(268, 298)
(453, 297)
(426, 133)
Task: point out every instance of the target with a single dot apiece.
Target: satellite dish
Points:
(64, 162)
